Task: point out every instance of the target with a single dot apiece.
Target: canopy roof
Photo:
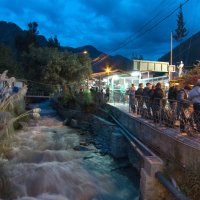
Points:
(113, 72)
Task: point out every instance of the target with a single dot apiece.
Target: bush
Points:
(87, 97)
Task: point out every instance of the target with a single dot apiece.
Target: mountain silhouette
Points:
(9, 31)
(188, 51)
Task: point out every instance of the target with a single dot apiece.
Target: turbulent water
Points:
(44, 165)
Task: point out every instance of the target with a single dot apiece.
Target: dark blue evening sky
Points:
(106, 24)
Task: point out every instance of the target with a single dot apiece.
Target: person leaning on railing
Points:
(183, 107)
(182, 95)
(146, 98)
(132, 102)
(194, 96)
(157, 102)
(172, 96)
(138, 95)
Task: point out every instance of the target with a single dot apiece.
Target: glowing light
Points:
(135, 73)
(85, 52)
(108, 69)
(105, 80)
(115, 77)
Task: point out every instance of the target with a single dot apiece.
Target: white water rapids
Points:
(44, 166)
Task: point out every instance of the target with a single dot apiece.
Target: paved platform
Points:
(193, 141)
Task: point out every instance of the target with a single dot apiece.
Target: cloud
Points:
(121, 25)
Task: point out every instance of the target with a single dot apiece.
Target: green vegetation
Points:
(180, 31)
(8, 61)
(44, 63)
(193, 75)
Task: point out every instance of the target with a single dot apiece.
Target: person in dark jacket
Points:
(182, 107)
(172, 96)
(146, 97)
(194, 96)
(138, 95)
(182, 96)
(132, 101)
(157, 102)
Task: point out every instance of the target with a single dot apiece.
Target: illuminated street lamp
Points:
(108, 70)
(85, 52)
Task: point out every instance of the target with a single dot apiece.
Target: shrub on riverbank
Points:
(84, 101)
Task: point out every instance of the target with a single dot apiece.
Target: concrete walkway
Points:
(193, 141)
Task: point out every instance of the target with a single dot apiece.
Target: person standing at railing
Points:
(183, 107)
(182, 96)
(138, 95)
(151, 94)
(172, 96)
(194, 96)
(107, 95)
(146, 97)
(157, 102)
(132, 101)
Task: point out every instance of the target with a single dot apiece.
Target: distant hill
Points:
(9, 31)
(188, 51)
(115, 62)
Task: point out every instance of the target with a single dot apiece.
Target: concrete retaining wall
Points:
(112, 140)
(163, 140)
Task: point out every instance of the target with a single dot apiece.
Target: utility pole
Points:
(171, 49)
(170, 65)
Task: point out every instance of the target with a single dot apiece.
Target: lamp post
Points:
(85, 52)
(108, 69)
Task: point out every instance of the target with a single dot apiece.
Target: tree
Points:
(8, 62)
(32, 33)
(22, 42)
(180, 31)
(48, 65)
(53, 42)
(193, 75)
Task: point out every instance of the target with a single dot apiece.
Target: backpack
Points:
(172, 95)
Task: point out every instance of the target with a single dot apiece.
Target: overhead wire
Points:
(104, 56)
(146, 31)
(191, 40)
(189, 47)
(47, 84)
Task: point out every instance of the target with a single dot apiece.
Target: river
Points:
(46, 163)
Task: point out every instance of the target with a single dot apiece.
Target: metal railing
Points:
(37, 94)
(142, 150)
(181, 115)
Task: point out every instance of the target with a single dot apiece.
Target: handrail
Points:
(162, 111)
(139, 147)
(142, 148)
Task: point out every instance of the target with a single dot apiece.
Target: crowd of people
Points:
(182, 102)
